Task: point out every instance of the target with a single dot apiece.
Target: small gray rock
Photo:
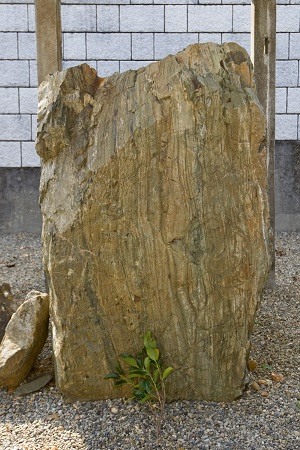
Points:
(34, 385)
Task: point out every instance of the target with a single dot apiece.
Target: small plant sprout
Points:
(146, 377)
(267, 366)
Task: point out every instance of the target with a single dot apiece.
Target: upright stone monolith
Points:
(153, 194)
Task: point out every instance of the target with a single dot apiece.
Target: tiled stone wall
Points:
(117, 35)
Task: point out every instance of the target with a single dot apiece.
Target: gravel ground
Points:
(264, 419)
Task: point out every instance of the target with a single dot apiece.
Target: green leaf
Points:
(149, 341)
(152, 353)
(167, 372)
(140, 359)
(134, 375)
(147, 363)
(112, 375)
(137, 393)
(131, 362)
(147, 335)
(155, 375)
(147, 398)
(119, 383)
(141, 372)
(119, 369)
(145, 386)
(267, 366)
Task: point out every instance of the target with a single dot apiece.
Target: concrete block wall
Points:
(18, 81)
(117, 35)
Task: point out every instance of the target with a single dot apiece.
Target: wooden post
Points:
(263, 52)
(48, 37)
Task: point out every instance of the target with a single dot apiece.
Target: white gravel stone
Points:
(252, 422)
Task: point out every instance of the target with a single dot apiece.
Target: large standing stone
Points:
(153, 194)
(24, 338)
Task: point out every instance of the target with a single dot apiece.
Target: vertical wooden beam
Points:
(48, 37)
(263, 52)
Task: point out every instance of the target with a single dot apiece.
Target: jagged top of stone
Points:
(217, 67)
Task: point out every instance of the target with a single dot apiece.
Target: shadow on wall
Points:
(19, 188)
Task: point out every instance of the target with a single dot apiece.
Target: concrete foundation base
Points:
(287, 186)
(19, 187)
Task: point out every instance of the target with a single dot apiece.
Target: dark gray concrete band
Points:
(19, 200)
(287, 185)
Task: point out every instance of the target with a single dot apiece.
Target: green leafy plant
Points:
(298, 404)
(146, 376)
(267, 366)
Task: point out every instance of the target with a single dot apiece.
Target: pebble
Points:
(264, 393)
(262, 382)
(277, 377)
(42, 421)
(255, 386)
(114, 410)
(252, 365)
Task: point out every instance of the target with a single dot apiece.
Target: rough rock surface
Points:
(24, 338)
(153, 194)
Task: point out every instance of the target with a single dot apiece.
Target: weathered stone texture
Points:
(153, 194)
(24, 338)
